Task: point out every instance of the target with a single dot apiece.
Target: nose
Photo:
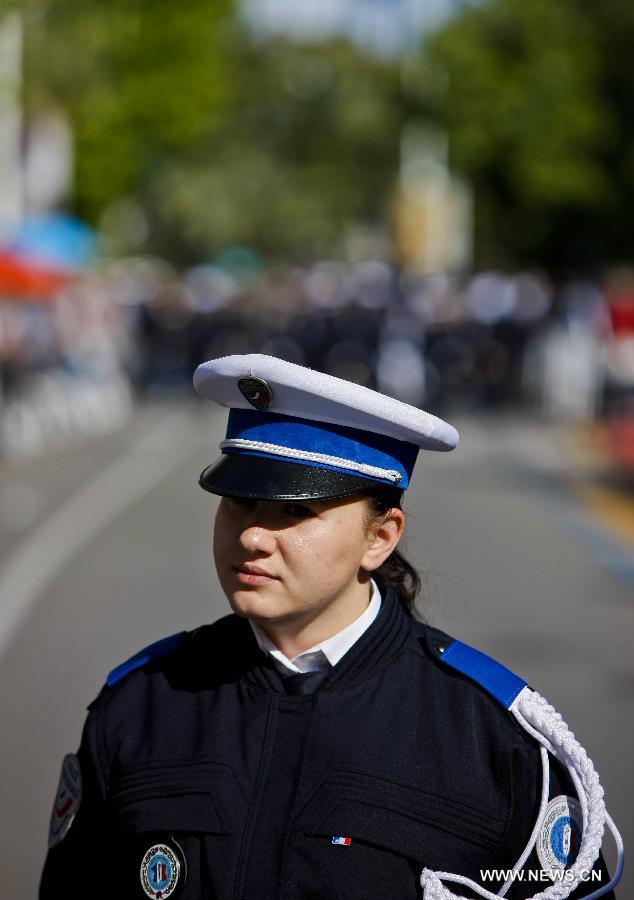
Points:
(258, 535)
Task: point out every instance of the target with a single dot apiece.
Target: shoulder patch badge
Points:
(160, 871)
(560, 836)
(67, 800)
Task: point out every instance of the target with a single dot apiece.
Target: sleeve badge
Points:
(560, 835)
(67, 800)
(160, 871)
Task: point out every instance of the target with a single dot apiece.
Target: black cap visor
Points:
(260, 478)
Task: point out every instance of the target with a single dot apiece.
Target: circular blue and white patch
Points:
(560, 835)
(67, 800)
(160, 871)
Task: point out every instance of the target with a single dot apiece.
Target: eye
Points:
(298, 511)
(241, 502)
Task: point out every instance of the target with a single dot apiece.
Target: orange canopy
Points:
(21, 279)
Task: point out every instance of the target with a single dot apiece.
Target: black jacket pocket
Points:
(174, 798)
(376, 836)
(186, 809)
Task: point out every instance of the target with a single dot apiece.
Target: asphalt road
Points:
(106, 547)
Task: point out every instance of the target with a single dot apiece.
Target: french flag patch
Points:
(344, 841)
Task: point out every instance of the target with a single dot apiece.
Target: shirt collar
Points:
(327, 653)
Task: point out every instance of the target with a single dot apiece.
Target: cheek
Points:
(330, 553)
(216, 546)
(222, 538)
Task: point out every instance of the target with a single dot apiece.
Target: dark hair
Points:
(396, 569)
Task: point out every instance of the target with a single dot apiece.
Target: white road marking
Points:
(47, 550)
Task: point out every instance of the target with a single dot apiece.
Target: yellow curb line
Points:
(615, 511)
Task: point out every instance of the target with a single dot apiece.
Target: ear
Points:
(384, 534)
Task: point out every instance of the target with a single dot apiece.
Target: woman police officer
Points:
(320, 742)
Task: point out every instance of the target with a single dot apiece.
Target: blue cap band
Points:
(363, 448)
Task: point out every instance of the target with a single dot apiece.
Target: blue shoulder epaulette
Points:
(495, 678)
(153, 651)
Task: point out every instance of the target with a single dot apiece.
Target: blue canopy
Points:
(54, 239)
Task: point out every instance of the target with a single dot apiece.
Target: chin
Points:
(250, 603)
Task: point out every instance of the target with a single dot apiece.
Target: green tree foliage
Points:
(537, 98)
(208, 135)
(312, 146)
(213, 138)
(140, 80)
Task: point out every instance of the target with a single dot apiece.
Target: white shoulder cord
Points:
(546, 725)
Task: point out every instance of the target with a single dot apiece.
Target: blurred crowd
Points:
(76, 362)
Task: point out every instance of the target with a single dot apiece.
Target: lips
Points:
(248, 569)
(248, 574)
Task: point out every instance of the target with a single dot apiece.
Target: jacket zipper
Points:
(247, 834)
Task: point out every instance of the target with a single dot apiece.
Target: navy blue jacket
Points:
(204, 750)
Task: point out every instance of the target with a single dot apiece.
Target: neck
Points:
(299, 634)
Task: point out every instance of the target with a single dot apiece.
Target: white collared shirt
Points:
(327, 653)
